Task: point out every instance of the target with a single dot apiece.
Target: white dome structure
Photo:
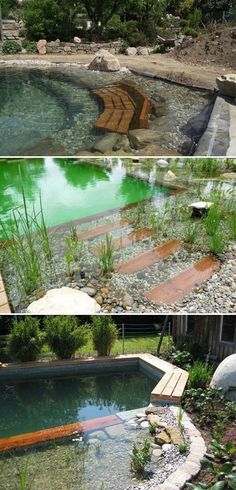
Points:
(225, 377)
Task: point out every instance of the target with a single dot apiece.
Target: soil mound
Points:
(216, 45)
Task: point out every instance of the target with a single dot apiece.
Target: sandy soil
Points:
(160, 65)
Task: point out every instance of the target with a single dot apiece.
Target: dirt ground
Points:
(216, 46)
(160, 65)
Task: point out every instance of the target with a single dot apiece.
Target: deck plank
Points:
(101, 230)
(182, 284)
(127, 240)
(149, 258)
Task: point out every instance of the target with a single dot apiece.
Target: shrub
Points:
(199, 375)
(25, 340)
(140, 457)
(11, 47)
(188, 31)
(64, 335)
(104, 334)
(182, 359)
(29, 46)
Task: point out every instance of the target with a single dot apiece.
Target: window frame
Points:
(227, 342)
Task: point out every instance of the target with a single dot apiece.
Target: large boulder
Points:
(227, 84)
(225, 377)
(131, 51)
(77, 40)
(106, 143)
(142, 51)
(64, 301)
(42, 46)
(139, 138)
(104, 61)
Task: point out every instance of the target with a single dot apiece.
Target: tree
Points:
(50, 19)
(101, 11)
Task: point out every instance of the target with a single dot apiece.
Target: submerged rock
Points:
(64, 301)
(104, 61)
(106, 143)
(139, 138)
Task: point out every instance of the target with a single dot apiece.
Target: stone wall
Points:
(57, 47)
(11, 30)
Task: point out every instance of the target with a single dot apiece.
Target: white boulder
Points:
(77, 40)
(162, 163)
(225, 377)
(170, 175)
(143, 51)
(104, 61)
(42, 46)
(131, 51)
(227, 84)
(64, 301)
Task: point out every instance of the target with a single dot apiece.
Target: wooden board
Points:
(149, 258)
(118, 110)
(127, 240)
(39, 436)
(4, 305)
(100, 230)
(182, 284)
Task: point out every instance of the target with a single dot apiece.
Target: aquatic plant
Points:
(104, 334)
(64, 336)
(217, 242)
(190, 233)
(41, 230)
(106, 254)
(25, 340)
(199, 375)
(140, 457)
(180, 418)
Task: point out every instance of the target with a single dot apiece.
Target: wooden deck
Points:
(125, 107)
(39, 436)
(4, 305)
(171, 386)
(127, 240)
(179, 286)
(149, 258)
(101, 230)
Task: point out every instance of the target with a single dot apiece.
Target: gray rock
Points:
(106, 143)
(131, 51)
(143, 51)
(139, 138)
(90, 291)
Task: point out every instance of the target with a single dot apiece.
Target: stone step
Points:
(127, 240)
(101, 230)
(39, 436)
(149, 258)
(179, 286)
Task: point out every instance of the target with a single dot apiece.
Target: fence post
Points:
(123, 338)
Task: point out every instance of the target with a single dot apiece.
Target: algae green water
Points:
(39, 404)
(69, 190)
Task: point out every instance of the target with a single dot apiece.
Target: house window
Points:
(228, 329)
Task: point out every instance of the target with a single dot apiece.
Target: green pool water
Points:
(69, 190)
(43, 403)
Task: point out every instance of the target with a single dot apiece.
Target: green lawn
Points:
(132, 345)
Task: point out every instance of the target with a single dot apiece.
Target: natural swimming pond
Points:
(29, 406)
(59, 110)
(70, 190)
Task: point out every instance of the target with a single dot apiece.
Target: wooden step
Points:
(149, 258)
(127, 240)
(179, 286)
(39, 436)
(4, 305)
(100, 230)
(118, 110)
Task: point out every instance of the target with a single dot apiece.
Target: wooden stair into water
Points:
(39, 436)
(127, 240)
(118, 111)
(125, 107)
(101, 230)
(4, 305)
(149, 258)
(179, 286)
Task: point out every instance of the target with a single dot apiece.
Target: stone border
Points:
(215, 140)
(4, 303)
(192, 465)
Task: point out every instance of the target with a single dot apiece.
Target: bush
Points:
(140, 457)
(25, 340)
(11, 47)
(104, 335)
(199, 375)
(136, 39)
(29, 46)
(188, 31)
(182, 359)
(64, 335)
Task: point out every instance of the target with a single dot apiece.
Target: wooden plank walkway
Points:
(118, 111)
(39, 436)
(149, 258)
(182, 284)
(101, 230)
(171, 386)
(4, 305)
(142, 103)
(127, 240)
